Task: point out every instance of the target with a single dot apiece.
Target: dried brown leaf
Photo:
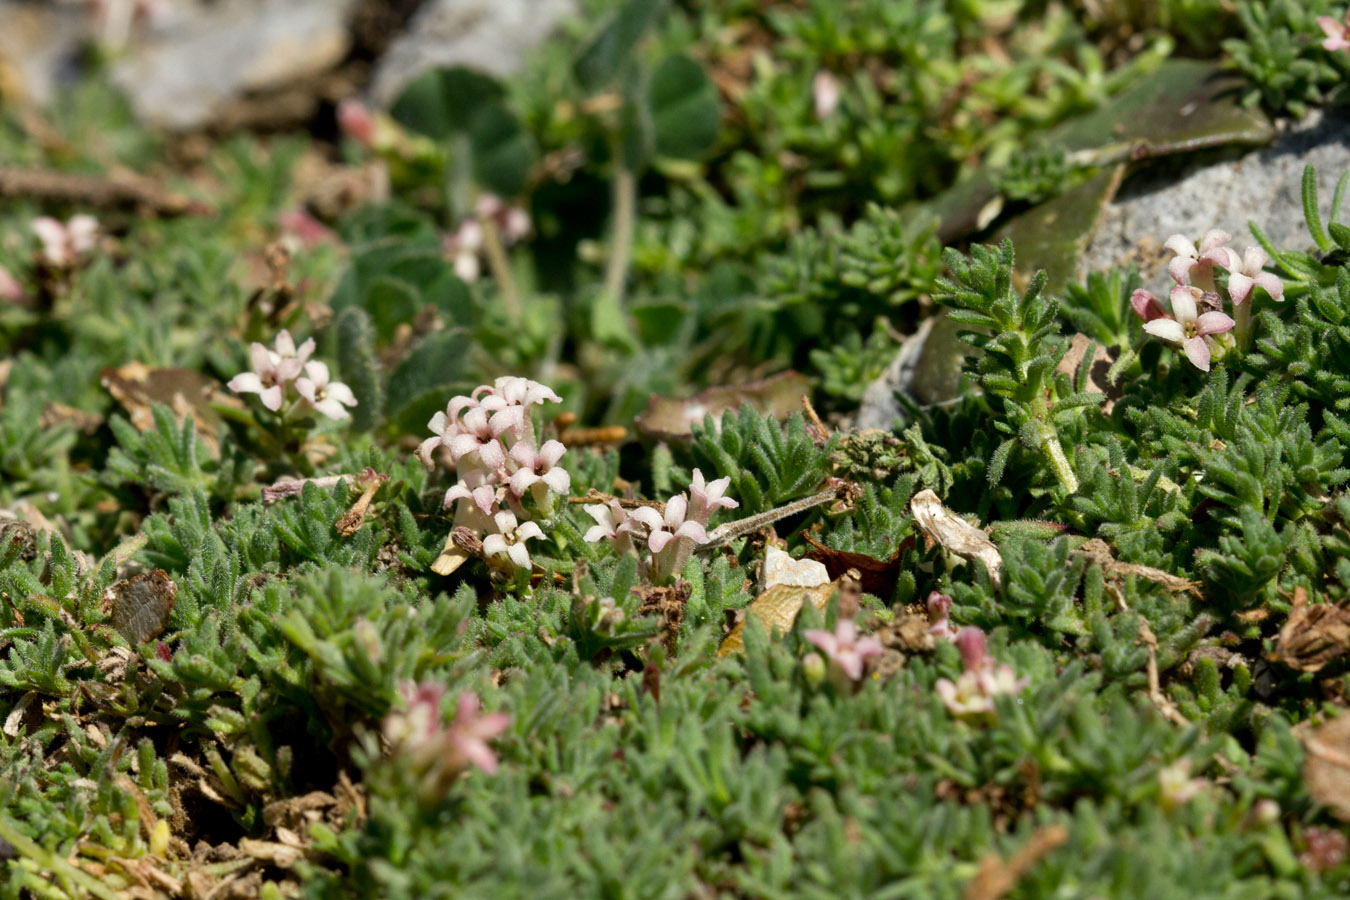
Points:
(139, 606)
(1314, 635)
(1326, 771)
(669, 418)
(778, 607)
(955, 535)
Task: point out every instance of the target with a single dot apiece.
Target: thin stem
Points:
(725, 534)
(621, 251)
(1243, 329)
(501, 268)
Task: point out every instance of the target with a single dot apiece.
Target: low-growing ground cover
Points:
(470, 508)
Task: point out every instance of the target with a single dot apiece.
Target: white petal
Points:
(494, 545)
(1181, 246)
(1183, 304)
(1197, 351)
(318, 372)
(1166, 329)
(246, 383)
(272, 397)
(1214, 323)
(341, 393)
(528, 531)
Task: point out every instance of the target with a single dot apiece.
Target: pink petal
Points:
(1213, 323)
(558, 480)
(1239, 288)
(658, 540)
(529, 531)
(825, 640)
(647, 516)
(852, 664)
(693, 530)
(260, 358)
(494, 545)
(272, 397)
(1212, 239)
(306, 389)
(676, 509)
(341, 393)
(492, 455)
(1197, 351)
(1181, 246)
(1273, 285)
(522, 480)
(551, 452)
(332, 408)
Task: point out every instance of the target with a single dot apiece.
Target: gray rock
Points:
(184, 74)
(39, 49)
(1263, 186)
(492, 36)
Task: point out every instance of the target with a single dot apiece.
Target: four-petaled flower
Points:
(674, 524)
(844, 648)
(510, 537)
(539, 466)
(64, 243)
(478, 434)
(1188, 328)
(326, 396)
(1195, 265)
(272, 369)
(1249, 271)
(470, 731)
(972, 694)
(1338, 33)
(611, 522)
(705, 498)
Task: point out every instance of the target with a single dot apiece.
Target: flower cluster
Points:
(1196, 323)
(504, 474)
(670, 534)
(274, 369)
(972, 694)
(467, 244)
(63, 243)
(846, 652)
(437, 753)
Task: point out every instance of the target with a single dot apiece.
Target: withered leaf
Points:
(139, 606)
(1314, 635)
(878, 576)
(1326, 771)
(955, 535)
(137, 387)
(778, 607)
(668, 418)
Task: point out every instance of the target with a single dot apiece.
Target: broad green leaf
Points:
(685, 114)
(614, 43)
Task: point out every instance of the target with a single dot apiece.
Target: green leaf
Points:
(614, 43)
(359, 365)
(427, 378)
(685, 114)
(503, 151)
(390, 301)
(445, 101)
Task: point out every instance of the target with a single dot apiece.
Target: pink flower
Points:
(844, 648)
(356, 122)
(972, 694)
(517, 391)
(470, 731)
(1248, 272)
(1188, 329)
(273, 369)
(706, 498)
(477, 486)
(478, 434)
(10, 289)
(539, 466)
(1338, 33)
(939, 609)
(327, 397)
(510, 538)
(64, 244)
(662, 529)
(1146, 306)
(309, 232)
(1195, 265)
(611, 521)
(420, 722)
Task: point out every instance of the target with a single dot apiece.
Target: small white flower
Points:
(1249, 272)
(539, 467)
(510, 538)
(273, 369)
(674, 524)
(327, 397)
(64, 244)
(1187, 328)
(1195, 265)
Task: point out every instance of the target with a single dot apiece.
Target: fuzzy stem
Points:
(725, 534)
(621, 251)
(501, 268)
(1059, 462)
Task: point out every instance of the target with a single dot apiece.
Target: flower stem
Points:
(621, 250)
(1059, 462)
(1243, 329)
(501, 268)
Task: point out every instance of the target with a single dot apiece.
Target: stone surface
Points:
(186, 73)
(492, 36)
(1264, 186)
(39, 49)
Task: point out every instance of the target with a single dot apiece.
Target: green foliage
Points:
(1280, 54)
(769, 463)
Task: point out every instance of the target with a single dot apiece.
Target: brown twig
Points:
(1150, 642)
(114, 192)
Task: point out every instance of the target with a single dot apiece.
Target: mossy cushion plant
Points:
(331, 564)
